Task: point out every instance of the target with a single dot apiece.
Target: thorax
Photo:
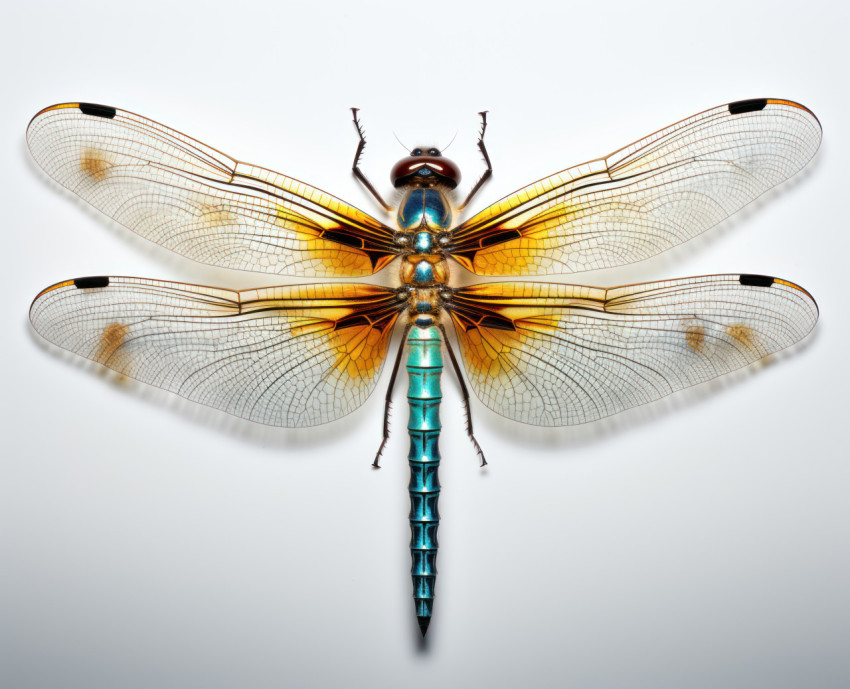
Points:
(424, 217)
(425, 208)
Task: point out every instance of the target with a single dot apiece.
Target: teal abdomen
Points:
(424, 366)
(425, 208)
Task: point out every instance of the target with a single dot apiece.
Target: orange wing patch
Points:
(202, 203)
(490, 345)
(355, 322)
(324, 235)
(360, 350)
(292, 356)
(644, 198)
(553, 354)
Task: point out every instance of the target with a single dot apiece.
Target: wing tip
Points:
(93, 109)
(741, 107)
(92, 282)
(805, 292)
(49, 108)
(790, 103)
(58, 285)
(46, 290)
(750, 280)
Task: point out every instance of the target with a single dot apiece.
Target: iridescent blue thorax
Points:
(424, 217)
(424, 208)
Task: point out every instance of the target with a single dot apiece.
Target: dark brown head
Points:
(425, 167)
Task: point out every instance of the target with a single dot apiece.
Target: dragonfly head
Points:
(425, 166)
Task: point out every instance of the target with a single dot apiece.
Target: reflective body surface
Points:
(424, 208)
(424, 366)
(424, 215)
(541, 353)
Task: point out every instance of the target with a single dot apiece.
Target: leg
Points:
(465, 393)
(488, 172)
(355, 167)
(389, 398)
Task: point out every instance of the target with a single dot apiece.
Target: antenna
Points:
(444, 148)
(401, 142)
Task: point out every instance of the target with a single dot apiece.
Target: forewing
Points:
(555, 355)
(201, 203)
(283, 356)
(645, 198)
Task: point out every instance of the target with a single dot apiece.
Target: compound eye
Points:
(416, 152)
(433, 152)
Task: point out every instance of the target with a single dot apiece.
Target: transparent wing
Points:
(198, 202)
(645, 198)
(283, 356)
(555, 355)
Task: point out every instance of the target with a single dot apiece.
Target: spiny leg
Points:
(389, 397)
(465, 394)
(355, 167)
(488, 172)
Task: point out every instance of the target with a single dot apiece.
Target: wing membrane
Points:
(555, 355)
(645, 198)
(283, 356)
(203, 204)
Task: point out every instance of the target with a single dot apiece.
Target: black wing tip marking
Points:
(756, 280)
(93, 109)
(80, 283)
(756, 104)
(753, 105)
(767, 281)
(91, 282)
(106, 111)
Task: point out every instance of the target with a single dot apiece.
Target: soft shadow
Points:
(267, 437)
(522, 436)
(181, 267)
(487, 423)
(490, 428)
(422, 643)
(664, 265)
(292, 441)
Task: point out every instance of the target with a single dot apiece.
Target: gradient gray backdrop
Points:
(699, 542)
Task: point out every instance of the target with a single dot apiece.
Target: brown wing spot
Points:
(111, 339)
(95, 164)
(216, 216)
(695, 337)
(743, 333)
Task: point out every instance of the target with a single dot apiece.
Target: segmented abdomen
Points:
(424, 366)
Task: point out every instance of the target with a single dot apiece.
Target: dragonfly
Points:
(541, 353)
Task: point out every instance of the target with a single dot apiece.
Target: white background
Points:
(698, 542)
